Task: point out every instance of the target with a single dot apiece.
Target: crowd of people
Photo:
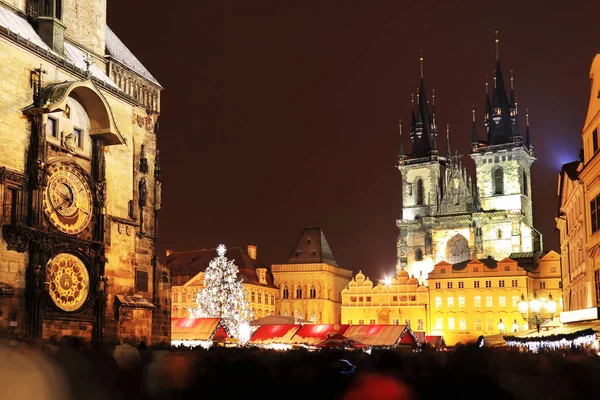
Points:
(70, 369)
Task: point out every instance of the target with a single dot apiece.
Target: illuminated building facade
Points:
(588, 255)
(472, 298)
(79, 178)
(570, 221)
(310, 282)
(399, 300)
(446, 215)
(187, 271)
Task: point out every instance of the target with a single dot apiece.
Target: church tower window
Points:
(419, 255)
(525, 189)
(498, 181)
(286, 292)
(420, 194)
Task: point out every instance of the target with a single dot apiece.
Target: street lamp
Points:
(537, 307)
(501, 326)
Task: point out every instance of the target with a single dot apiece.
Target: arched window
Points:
(419, 255)
(420, 194)
(286, 292)
(184, 296)
(313, 317)
(525, 189)
(313, 292)
(298, 292)
(499, 181)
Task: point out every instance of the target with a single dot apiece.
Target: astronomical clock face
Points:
(69, 281)
(68, 199)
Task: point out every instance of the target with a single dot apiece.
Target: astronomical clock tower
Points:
(79, 179)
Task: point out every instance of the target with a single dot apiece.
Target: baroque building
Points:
(398, 300)
(187, 272)
(474, 297)
(579, 213)
(570, 221)
(311, 281)
(447, 215)
(79, 178)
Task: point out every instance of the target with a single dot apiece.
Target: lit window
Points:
(78, 138)
(253, 297)
(450, 302)
(313, 292)
(413, 298)
(396, 321)
(595, 213)
(515, 301)
(489, 323)
(183, 296)
(451, 323)
(439, 323)
(438, 302)
(461, 302)
(286, 293)
(52, 127)
(298, 292)
(260, 297)
(488, 301)
(349, 322)
(272, 300)
(477, 324)
(502, 301)
(462, 325)
(361, 321)
(477, 301)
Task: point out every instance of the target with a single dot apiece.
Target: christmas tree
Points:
(224, 296)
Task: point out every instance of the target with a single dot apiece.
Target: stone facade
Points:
(66, 122)
(471, 298)
(570, 221)
(310, 282)
(399, 300)
(589, 175)
(447, 216)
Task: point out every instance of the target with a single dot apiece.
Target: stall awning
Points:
(201, 329)
(381, 335)
(270, 334)
(567, 331)
(311, 334)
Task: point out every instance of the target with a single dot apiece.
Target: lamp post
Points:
(542, 311)
(501, 326)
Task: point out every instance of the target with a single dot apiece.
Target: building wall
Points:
(400, 301)
(328, 281)
(467, 303)
(184, 298)
(590, 177)
(577, 285)
(128, 237)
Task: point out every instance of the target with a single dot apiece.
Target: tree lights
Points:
(224, 297)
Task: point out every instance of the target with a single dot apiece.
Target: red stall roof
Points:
(196, 328)
(311, 334)
(381, 335)
(267, 334)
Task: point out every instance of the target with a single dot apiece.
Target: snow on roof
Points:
(117, 49)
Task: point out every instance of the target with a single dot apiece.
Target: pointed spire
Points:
(401, 155)
(433, 121)
(448, 152)
(421, 60)
(497, 46)
(474, 138)
(527, 134)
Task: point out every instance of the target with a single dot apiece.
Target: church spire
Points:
(448, 151)
(474, 138)
(423, 133)
(401, 155)
(527, 134)
(501, 128)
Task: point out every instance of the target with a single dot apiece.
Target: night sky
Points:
(278, 115)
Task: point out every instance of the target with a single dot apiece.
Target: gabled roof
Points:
(191, 263)
(571, 170)
(311, 334)
(196, 329)
(381, 335)
(312, 248)
(488, 262)
(270, 334)
(120, 53)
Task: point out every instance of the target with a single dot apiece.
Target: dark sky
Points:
(277, 115)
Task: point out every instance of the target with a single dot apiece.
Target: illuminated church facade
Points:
(449, 216)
